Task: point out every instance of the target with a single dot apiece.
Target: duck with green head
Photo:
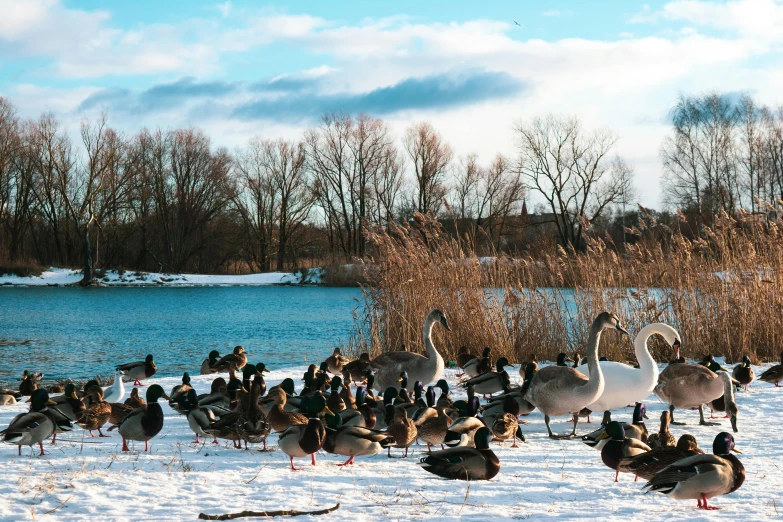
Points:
(702, 477)
(353, 441)
(27, 429)
(743, 373)
(489, 382)
(335, 401)
(301, 440)
(144, 423)
(29, 383)
(647, 464)
(619, 447)
(139, 370)
(207, 366)
(464, 463)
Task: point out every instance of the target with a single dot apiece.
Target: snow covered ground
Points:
(67, 276)
(90, 478)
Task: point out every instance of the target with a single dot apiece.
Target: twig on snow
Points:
(281, 513)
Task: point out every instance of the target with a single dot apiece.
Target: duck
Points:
(199, 417)
(29, 383)
(139, 370)
(533, 364)
(180, 389)
(145, 422)
(358, 369)
(33, 427)
(382, 417)
(278, 418)
(336, 362)
(217, 399)
(624, 384)
(68, 404)
(433, 430)
(97, 414)
(462, 432)
(646, 465)
(422, 414)
(495, 405)
(7, 399)
(401, 428)
(467, 361)
(227, 426)
(118, 413)
(506, 426)
(464, 463)
(207, 366)
(354, 441)
(743, 373)
(702, 477)
(363, 416)
(115, 392)
(619, 447)
(560, 390)
(238, 358)
(335, 401)
(710, 362)
(135, 400)
(254, 428)
(426, 369)
(633, 430)
(489, 382)
(694, 386)
(774, 374)
(664, 438)
(301, 440)
(563, 359)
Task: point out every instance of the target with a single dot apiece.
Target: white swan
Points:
(115, 392)
(560, 390)
(625, 384)
(390, 365)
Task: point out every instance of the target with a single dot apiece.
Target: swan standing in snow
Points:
(560, 390)
(625, 384)
(390, 365)
(115, 392)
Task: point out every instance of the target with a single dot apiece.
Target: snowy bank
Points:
(90, 478)
(67, 276)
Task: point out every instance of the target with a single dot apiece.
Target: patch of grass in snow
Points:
(21, 269)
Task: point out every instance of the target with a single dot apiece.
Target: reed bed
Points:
(721, 291)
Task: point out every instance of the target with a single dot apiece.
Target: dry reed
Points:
(721, 291)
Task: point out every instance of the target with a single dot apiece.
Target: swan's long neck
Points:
(426, 332)
(648, 368)
(594, 386)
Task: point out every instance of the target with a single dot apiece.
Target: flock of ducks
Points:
(356, 408)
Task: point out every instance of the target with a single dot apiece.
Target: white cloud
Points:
(224, 8)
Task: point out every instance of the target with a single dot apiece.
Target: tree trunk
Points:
(87, 279)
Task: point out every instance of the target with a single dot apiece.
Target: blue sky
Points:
(240, 69)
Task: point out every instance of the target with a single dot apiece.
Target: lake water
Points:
(78, 333)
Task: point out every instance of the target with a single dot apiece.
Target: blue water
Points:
(78, 333)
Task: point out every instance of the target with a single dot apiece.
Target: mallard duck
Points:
(489, 382)
(633, 430)
(421, 414)
(336, 362)
(774, 374)
(238, 358)
(227, 426)
(476, 365)
(563, 359)
(139, 370)
(180, 389)
(135, 400)
(27, 429)
(7, 399)
(382, 416)
(255, 428)
(217, 399)
(426, 369)
(465, 358)
(401, 428)
(527, 370)
(462, 463)
(664, 438)
(702, 477)
(118, 413)
(301, 440)
(619, 447)
(278, 418)
(647, 464)
(743, 373)
(145, 422)
(68, 404)
(363, 416)
(353, 441)
(462, 431)
(559, 390)
(199, 417)
(358, 369)
(97, 414)
(335, 402)
(29, 383)
(433, 430)
(207, 366)
(506, 426)
(494, 407)
(710, 362)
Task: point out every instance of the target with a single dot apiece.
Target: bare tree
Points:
(430, 157)
(386, 186)
(569, 168)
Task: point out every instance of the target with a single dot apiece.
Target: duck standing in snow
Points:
(142, 424)
(27, 429)
(743, 373)
(774, 374)
(139, 370)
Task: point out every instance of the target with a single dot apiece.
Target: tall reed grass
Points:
(722, 291)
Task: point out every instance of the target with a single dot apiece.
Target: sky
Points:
(239, 69)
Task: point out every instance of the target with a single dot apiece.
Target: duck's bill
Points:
(328, 411)
(736, 450)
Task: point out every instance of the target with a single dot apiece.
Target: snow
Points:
(67, 276)
(543, 479)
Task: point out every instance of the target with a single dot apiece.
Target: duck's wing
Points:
(457, 463)
(129, 366)
(699, 472)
